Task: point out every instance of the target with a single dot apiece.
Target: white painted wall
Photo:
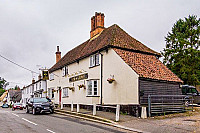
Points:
(122, 91)
(29, 90)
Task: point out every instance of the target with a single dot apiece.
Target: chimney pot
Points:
(33, 80)
(97, 24)
(57, 48)
(39, 77)
(58, 54)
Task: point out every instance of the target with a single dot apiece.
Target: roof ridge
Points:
(113, 36)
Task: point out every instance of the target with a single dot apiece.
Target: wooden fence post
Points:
(61, 106)
(117, 112)
(94, 109)
(72, 106)
(149, 105)
(78, 107)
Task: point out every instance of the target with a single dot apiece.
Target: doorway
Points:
(60, 94)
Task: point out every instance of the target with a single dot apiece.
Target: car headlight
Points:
(37, 105)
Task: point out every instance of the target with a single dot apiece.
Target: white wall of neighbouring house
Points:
(54, 84)
(124, 90)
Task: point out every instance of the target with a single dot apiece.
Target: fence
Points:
(161, 104)
(94, 108)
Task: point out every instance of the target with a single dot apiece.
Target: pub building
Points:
(110, 68)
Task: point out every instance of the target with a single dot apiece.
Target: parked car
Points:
(17, 106)
(39, 105)
(5, 105)
(191, 91)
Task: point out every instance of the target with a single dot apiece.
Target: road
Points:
(20, 122)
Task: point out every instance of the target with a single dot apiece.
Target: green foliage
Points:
(3, 83)
(17, 87)
(182, 52)
(2, 91)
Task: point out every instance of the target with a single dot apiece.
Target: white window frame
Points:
(65, 92)
(94, 60)
(93, 92)
(50, 92)
(51, 76)
(64, 71)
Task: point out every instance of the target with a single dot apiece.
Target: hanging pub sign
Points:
(79, 77)
(45, 75)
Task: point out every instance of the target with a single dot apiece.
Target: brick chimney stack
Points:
(97, 24)
(58, 54)
(39, 77)
(33, 81)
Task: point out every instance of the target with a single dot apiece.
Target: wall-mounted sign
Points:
(79, 77)
(45, 75)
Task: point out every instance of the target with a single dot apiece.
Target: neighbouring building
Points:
(36, 89)
(14, 96)
(110, 68)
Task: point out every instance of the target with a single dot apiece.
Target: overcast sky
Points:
(30, 30)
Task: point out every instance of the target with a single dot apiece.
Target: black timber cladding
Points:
(156, 87)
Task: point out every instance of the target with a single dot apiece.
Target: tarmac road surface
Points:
(20, 122)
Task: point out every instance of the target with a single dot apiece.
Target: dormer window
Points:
(94, 60)
(64, 71)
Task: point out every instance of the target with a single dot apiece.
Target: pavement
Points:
(19, 121)
(182, 124)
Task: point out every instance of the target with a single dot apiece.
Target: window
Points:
(94, 60)
(64, 71)
(50, 92)
(40, 86)
(65, 92)
(92, 89)
(51, 76)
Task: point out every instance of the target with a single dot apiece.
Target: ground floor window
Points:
(51, 92)
(65, 92)
(92, 88)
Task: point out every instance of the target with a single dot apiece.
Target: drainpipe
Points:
(101, 78)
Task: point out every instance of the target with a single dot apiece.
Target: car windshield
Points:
(18, 104)
(40, 100)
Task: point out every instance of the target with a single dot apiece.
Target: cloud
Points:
(31, 30)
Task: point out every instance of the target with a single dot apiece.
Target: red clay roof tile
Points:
(147, 66)
(112, 36)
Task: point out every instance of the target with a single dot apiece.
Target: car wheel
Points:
(33, 111)
(13, 109)
(27, 111)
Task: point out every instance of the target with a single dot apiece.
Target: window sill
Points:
(92, 96)
(94, 66)
(51, 79)
(65, 96)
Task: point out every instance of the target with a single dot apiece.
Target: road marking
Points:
(29, 121)
(15, 114)
(51, 131)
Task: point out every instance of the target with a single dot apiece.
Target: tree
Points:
(182, 52)
(3, 84)
(17, 87)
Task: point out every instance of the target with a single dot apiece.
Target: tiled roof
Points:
(112, 36)
(147, 66)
